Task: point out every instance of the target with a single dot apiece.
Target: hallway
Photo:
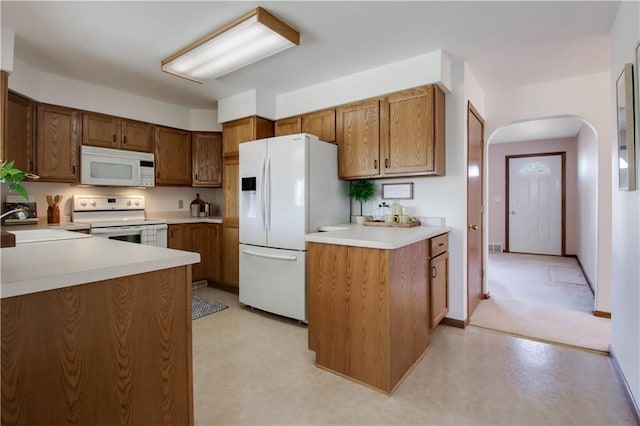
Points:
(541, 297)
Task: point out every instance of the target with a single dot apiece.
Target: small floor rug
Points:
(201, 307)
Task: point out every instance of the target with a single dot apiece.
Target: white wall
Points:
(413, 72)
(586, 97)
(7, 43)
(625, 245)
(54, 89)
(587, 211)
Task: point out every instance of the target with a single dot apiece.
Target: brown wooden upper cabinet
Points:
(358, 135)
(319, 123)
(19, 139)
(401, 134)
(207, 158)
(244, 130)
(172, 156)
(118, 133)
(58, 143)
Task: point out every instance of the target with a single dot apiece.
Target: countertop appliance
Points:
(289, 187)
(119, 217)
(116, 167)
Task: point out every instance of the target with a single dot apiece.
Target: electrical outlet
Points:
(180, 204)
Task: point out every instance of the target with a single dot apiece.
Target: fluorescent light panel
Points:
(249, 39)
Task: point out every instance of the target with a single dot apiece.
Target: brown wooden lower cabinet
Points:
(439, 279)
(109, 352)
(367, 316)
(202, 238)
(230, 258)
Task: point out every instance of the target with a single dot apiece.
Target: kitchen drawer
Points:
(438, 245)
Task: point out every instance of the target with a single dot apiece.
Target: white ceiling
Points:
(121, 44)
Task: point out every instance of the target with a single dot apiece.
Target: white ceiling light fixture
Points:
(248, 39)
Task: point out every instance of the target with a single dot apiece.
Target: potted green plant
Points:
(362, 191)
(14, 177)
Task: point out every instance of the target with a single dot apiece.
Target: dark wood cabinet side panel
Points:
(409, 320)
(110, 352)
(19, 144)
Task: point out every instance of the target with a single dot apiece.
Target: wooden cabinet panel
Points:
(411, 140)
(230, 256)
(244, 130)
(214, 261)
(19, 141)
(288, 126)
(107, 131)
(116, 352)
(137, 135)
(207, 158)
(230, 192)
(321, 124)
(172, 156)
(176, 236)
(196, 236)
(100, 130)
(439, 300)
(358, 136)
(367, 318)
(58, 143)
(4, 88)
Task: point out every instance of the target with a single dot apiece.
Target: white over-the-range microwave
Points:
(115, 167)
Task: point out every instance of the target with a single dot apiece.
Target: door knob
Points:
(513, 212)
(474, 227)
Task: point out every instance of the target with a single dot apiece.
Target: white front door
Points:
(535, 204)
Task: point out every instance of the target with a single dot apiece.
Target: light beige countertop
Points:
(69, 226)
(173, 218)
(40, 266)
(387, 238)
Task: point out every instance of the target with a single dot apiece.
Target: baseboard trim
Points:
(454, 322)
(575, 256)
(602, 314)
(228, 288)
(627, 390)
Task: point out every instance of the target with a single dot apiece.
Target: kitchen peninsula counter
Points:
(387, 238)
(368, 292)
(96, 331)
(34, 267)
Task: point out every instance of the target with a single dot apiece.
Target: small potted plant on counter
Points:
(362, 191)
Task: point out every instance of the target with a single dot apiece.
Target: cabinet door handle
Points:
(375, 164)
(114, 137)
(73, 169)
(196, 176)
(124, 139)
(386, 163)
(31, 166)
(434, 272)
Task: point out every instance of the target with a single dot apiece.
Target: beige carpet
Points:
(542, 297)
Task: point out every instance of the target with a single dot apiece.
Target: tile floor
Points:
(250, 367)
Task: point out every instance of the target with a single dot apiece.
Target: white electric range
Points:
(119, 217)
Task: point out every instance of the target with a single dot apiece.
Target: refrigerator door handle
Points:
(268, 193)
(270, 256)
(262, 193)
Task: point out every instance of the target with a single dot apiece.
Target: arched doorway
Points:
(514, 281)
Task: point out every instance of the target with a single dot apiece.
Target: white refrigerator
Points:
(288, 187)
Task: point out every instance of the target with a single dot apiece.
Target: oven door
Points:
(130, 234)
